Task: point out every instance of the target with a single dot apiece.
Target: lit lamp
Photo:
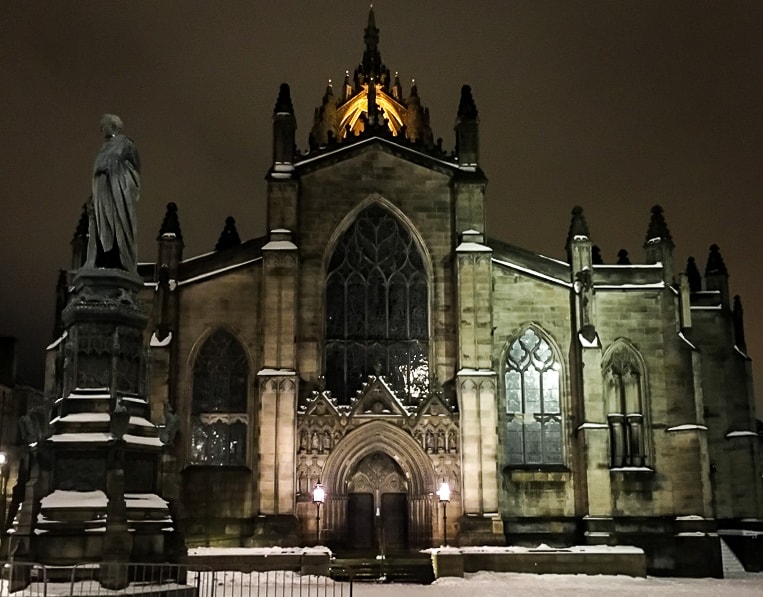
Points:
(444, 494)
(319, 496)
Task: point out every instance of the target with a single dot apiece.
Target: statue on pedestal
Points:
(113, 228)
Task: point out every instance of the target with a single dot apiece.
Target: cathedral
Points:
(378, 373)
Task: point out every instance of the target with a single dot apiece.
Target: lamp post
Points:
(444, 494)
(319, 496)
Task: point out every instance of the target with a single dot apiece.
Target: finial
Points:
(622, 257)
(658, 228)
(578, 225)
(467, 109)
(283, 103)
(596, 255)
(170, 224)
(715, 264)
(229, 237)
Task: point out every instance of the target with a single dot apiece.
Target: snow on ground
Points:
(500, 584)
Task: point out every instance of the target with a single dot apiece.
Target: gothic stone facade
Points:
(378, 342)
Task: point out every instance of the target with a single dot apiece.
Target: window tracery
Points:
(623, 387)
(219, 406)
(533, 405)
(377, 313)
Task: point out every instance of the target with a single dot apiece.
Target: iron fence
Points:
(164, 580)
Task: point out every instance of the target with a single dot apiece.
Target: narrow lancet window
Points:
(533, 409)
(623, 387)
(219, 412)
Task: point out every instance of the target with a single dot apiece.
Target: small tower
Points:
(284, 128)
(467, 131)
(580, 256)
(170, 241)
(659, 244)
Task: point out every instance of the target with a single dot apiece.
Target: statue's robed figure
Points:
(113, 215)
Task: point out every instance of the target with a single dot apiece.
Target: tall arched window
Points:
(219, 410)
(623, 388)
(533, 409)
(377, 314)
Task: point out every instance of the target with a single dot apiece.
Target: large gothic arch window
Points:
(623, 374)
(219, 407)
(377, 313)
(532, 382)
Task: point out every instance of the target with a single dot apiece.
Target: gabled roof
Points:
(402, 149)
(535, 265)
(434, 406)
(211, 264)
(377, 398)
(321, 406)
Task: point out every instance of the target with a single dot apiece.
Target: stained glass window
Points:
(623, 378)
(377, 314)
(219, 419)
(533, 412)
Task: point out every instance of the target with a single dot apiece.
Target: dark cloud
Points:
(614, 106)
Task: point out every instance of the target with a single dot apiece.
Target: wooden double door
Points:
(377, 506)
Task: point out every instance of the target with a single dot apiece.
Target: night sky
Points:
(613, 105)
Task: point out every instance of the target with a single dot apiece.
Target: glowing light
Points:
(319, 494)
(350, 112)
(444, 492)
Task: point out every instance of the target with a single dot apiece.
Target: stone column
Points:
(276, 442)
(277, 421)
(476, 390)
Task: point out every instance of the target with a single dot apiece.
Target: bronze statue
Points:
(112, 241)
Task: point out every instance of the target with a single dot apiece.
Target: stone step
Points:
(412, 570)
(732, 567)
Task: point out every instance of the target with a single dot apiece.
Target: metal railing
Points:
(164, 580)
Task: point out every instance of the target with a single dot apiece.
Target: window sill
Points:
(546, 474)
(638, 470)
(221, 467)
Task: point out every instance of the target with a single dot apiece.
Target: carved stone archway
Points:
(416, 466)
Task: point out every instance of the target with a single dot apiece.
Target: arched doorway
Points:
(380, 488)
(377, 505)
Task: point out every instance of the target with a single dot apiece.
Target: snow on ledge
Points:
(139, 440)
(266, 371)
(741, 434)
(74, 499)
(685, 339)
(542, 548)
(155, 341)
(689, 427)
(82, 437)
(280, 245)
(145, 500)
(257, 551)
(469, 247)
(586, 343)
(482, 372)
